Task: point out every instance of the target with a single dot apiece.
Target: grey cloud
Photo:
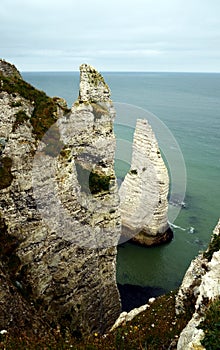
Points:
(120, 35)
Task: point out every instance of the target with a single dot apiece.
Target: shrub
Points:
(211, 326)
(21, 117)
(214, 246)
(91, 181)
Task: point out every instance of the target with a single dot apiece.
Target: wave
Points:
(175, 226)
(192, 230)
(189, 229)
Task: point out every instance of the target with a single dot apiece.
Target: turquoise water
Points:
(189, 105)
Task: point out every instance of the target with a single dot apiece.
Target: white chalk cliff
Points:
(200, 287)
(59, 216)
(144, 191)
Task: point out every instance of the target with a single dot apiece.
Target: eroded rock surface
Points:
(16, 313)
(200, 287)
(100, 91)
(144, 191)
(59, 201)
(9, 70)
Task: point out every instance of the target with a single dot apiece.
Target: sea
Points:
(186, 107)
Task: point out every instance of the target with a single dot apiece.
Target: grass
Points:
(211, 326)
(153, 329)
(44, 108)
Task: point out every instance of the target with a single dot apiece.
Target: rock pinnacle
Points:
(92, 86)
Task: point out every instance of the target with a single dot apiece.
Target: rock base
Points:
(143, 238)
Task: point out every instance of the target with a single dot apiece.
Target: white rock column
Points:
(143, 194)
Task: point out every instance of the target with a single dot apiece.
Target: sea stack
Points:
(144, 192)
(59, 216)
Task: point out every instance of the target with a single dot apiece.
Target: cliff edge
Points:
(59, 203)
(200, 293)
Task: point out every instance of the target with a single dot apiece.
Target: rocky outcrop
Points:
(59, 201)
(9, 70)
(125, 317)
(90, 77)
(129, 316)
(200, 287)
(144, 192)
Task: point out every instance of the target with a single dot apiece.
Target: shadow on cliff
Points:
(133, 296)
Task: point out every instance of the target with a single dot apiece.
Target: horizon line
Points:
(120, 71)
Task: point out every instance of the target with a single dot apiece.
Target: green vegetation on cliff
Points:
(44, 108)
(214, 246)
(21, 117)
(153, 329)
(211, 326)
(91, 181)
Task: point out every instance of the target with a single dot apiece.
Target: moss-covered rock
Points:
(68, 280)
(92, 181)
(21, 117)
(213, 247)
(44, 108)
(93, 88)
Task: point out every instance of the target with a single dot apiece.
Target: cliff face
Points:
(59, 201)
(16, 313)
(199, 289)
(144, 192)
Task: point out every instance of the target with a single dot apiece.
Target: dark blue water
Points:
(189, 105)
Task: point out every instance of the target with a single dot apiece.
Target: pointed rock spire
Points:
(144, 192)
(92, 86)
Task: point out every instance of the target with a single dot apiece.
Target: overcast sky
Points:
(114, 35)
